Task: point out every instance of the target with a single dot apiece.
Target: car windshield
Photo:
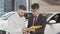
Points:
(5, 16)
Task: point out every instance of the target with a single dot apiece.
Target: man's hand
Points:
(28, 29)
(32, 30)
(24, 29)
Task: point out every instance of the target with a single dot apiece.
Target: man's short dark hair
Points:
(22, 7)
(35, 6)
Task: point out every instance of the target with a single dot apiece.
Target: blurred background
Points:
(10, 5)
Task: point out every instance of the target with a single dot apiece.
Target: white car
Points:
(4, 20)
(53, 25)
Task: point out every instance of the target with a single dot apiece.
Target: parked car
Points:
(53, 25)
(4, 20)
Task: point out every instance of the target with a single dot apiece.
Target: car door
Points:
(56, 26)
(53, 28)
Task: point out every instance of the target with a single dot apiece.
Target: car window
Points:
(6, 16)
(56, 18)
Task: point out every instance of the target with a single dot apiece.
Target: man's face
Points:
(35, 12)
(21, 12)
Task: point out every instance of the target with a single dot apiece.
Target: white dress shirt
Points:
(16, 23)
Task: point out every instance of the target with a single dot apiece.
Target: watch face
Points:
(52, 2)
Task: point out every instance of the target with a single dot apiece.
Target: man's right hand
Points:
(28, 30)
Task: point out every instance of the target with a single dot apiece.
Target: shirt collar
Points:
(36, 15)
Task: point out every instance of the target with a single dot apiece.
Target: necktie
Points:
(34, 20)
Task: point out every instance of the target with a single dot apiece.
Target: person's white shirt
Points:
(16, 23)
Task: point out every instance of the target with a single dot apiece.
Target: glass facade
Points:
(11, 5)
(8, 5)
(20, 2)
(1, 7)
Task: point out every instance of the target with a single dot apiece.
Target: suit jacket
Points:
(41, 21)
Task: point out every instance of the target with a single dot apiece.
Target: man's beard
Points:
(21, 15)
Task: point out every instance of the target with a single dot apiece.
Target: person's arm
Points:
(24, 29)
(26, 23)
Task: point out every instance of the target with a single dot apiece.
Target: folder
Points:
(35, 27)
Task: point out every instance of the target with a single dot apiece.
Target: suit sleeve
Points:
(29, 23)
(43, 24)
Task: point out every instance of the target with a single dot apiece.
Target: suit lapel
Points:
(38, 20)
(31, 19)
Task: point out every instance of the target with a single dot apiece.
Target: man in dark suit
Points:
(36, 20)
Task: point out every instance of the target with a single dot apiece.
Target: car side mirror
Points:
(52, 22)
